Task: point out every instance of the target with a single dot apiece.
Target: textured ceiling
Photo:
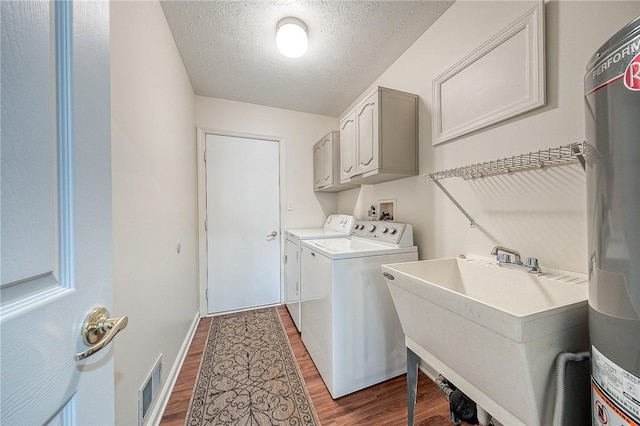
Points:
(229, 49)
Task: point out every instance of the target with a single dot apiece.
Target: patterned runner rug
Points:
(249, 376)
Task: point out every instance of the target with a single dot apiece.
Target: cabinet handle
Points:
(365, 107)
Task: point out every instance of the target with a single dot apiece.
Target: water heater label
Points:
(619, 389)
(615, 66)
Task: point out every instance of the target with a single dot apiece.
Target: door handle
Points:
(98, 330)
(272, 234)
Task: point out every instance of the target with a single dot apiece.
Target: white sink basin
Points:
(492, 331)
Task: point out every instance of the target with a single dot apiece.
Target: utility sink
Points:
(492, 331)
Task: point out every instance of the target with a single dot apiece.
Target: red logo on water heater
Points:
(632, 74)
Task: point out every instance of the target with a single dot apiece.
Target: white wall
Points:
(542, 214)
(154, 197)
(298, 132)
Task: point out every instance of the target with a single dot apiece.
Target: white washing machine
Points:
(351, 328)
(336, 226)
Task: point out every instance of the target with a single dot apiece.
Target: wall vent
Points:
(149, 391)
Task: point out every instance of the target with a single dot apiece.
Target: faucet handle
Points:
(494, 251)
(532, 264)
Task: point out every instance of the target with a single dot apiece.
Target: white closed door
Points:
(243, 222)
(56, 212)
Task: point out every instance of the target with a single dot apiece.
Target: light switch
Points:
(290, 205)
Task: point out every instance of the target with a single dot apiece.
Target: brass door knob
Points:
(98, 330)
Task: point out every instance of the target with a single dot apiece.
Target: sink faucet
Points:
(504, 259)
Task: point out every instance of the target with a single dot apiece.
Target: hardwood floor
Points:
(176, 411)
(383, 404)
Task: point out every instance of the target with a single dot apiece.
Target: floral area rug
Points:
(249, 376)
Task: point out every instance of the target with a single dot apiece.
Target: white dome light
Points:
(291, 37)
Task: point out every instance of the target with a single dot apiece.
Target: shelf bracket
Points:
(472, 223)
(579, 150)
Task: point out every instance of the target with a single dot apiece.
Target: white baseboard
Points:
(165, 394)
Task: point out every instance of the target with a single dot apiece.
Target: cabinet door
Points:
(367, 134)
(291, 272)
(317, 166)
(347, 146)
(292, 281)
(327, 161)
(316, 312)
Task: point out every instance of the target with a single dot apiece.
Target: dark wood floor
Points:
(383, 404)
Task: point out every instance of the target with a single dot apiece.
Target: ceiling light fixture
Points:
(291, 37)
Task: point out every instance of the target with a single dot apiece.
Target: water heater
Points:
(612, 94)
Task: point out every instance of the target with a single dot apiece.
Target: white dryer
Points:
(351, 328)
(336, 226)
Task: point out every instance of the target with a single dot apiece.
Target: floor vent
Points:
(149, 391)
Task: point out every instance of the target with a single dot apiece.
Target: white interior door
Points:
(56, 211)
(243, 222)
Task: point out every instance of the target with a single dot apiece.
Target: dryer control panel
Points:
(339, 222)
(396, 233)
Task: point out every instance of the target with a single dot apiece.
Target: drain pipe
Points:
(461, 407)
(484, 418)
(561, 366)
(447, 390)
(444, 387)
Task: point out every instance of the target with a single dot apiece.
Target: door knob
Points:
(98, 330)
(272, 234)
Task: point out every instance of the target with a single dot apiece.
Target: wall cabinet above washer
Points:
(326, 164)
(379, 138)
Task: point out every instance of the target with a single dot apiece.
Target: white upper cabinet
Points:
(327, 159)
(382, 135)
(326, 164)
(367, 134)
(347, 146)
(317, 166)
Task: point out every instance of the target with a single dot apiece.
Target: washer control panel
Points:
(396, 233)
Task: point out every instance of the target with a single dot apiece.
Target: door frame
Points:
(201, 185)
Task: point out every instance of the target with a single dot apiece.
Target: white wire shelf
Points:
(564, 154)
